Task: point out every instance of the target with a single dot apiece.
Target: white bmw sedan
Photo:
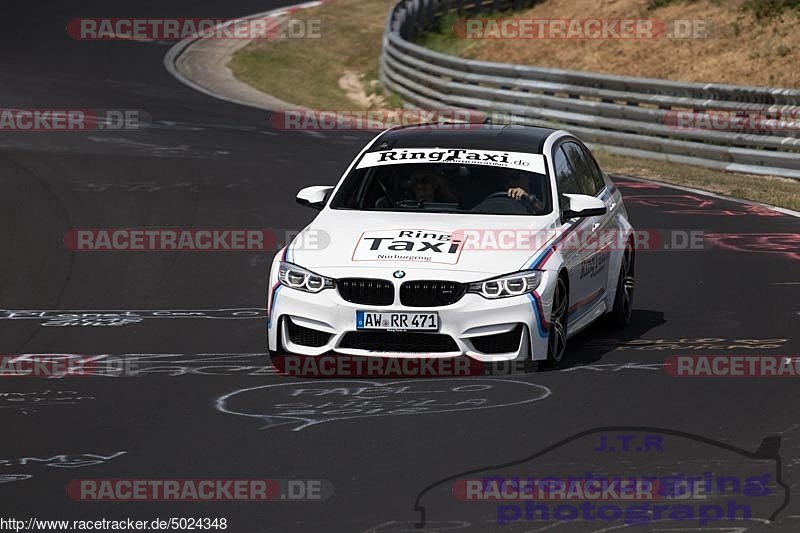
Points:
(494, 242)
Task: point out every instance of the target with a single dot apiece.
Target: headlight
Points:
(515, 284)
(301, 279)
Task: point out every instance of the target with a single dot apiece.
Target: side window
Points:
(585, 171)
(565, 177)
(597, 174)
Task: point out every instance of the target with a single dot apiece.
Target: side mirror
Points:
(582, 205)
(314, 197)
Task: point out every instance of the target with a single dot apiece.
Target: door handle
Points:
(595, 226)
(612, 206)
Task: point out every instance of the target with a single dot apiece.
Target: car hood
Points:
(338, 242)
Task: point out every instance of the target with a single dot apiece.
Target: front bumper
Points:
(476, 327)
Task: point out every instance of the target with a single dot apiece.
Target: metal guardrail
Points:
(621, 114)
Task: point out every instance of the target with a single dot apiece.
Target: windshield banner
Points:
(493, 158)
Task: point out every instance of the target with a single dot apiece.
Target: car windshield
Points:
(445, 188)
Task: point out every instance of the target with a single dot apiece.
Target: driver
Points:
(517, 186)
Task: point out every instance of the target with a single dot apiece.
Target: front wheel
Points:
(620, 315)
(557, 339)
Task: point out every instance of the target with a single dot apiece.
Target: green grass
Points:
(307, 71)
(765, 9)
(444, 38)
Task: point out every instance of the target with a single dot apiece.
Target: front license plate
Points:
(397, 321)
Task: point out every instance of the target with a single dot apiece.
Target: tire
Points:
(620, 315)
(557, 337)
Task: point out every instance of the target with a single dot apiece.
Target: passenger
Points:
(430, 187)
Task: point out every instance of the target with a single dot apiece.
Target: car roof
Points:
(506, 137)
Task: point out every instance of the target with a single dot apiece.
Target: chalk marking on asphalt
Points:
(781, 210)
(63, 460)
(728, 529)
(121, 317)
(307, 417)
(9, 478)
(34, 399)
(615, 367)
(164, 364)
(231, 363)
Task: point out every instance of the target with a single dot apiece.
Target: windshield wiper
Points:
(430, 207)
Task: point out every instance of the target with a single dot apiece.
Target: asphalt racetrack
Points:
(204, 402)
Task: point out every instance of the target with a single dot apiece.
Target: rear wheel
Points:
(620, 315)
(557, 339)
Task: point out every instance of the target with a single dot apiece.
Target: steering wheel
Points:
(525, 200)
(504, 203)
(499, 194)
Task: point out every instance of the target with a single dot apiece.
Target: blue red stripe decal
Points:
(585, 304)
(542, 325)
(545, 254)
(275, 289)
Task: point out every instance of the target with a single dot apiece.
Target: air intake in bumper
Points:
(499, 342)
(303, 336)
(391, 341)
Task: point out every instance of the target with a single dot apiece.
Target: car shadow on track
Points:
(591, 344)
